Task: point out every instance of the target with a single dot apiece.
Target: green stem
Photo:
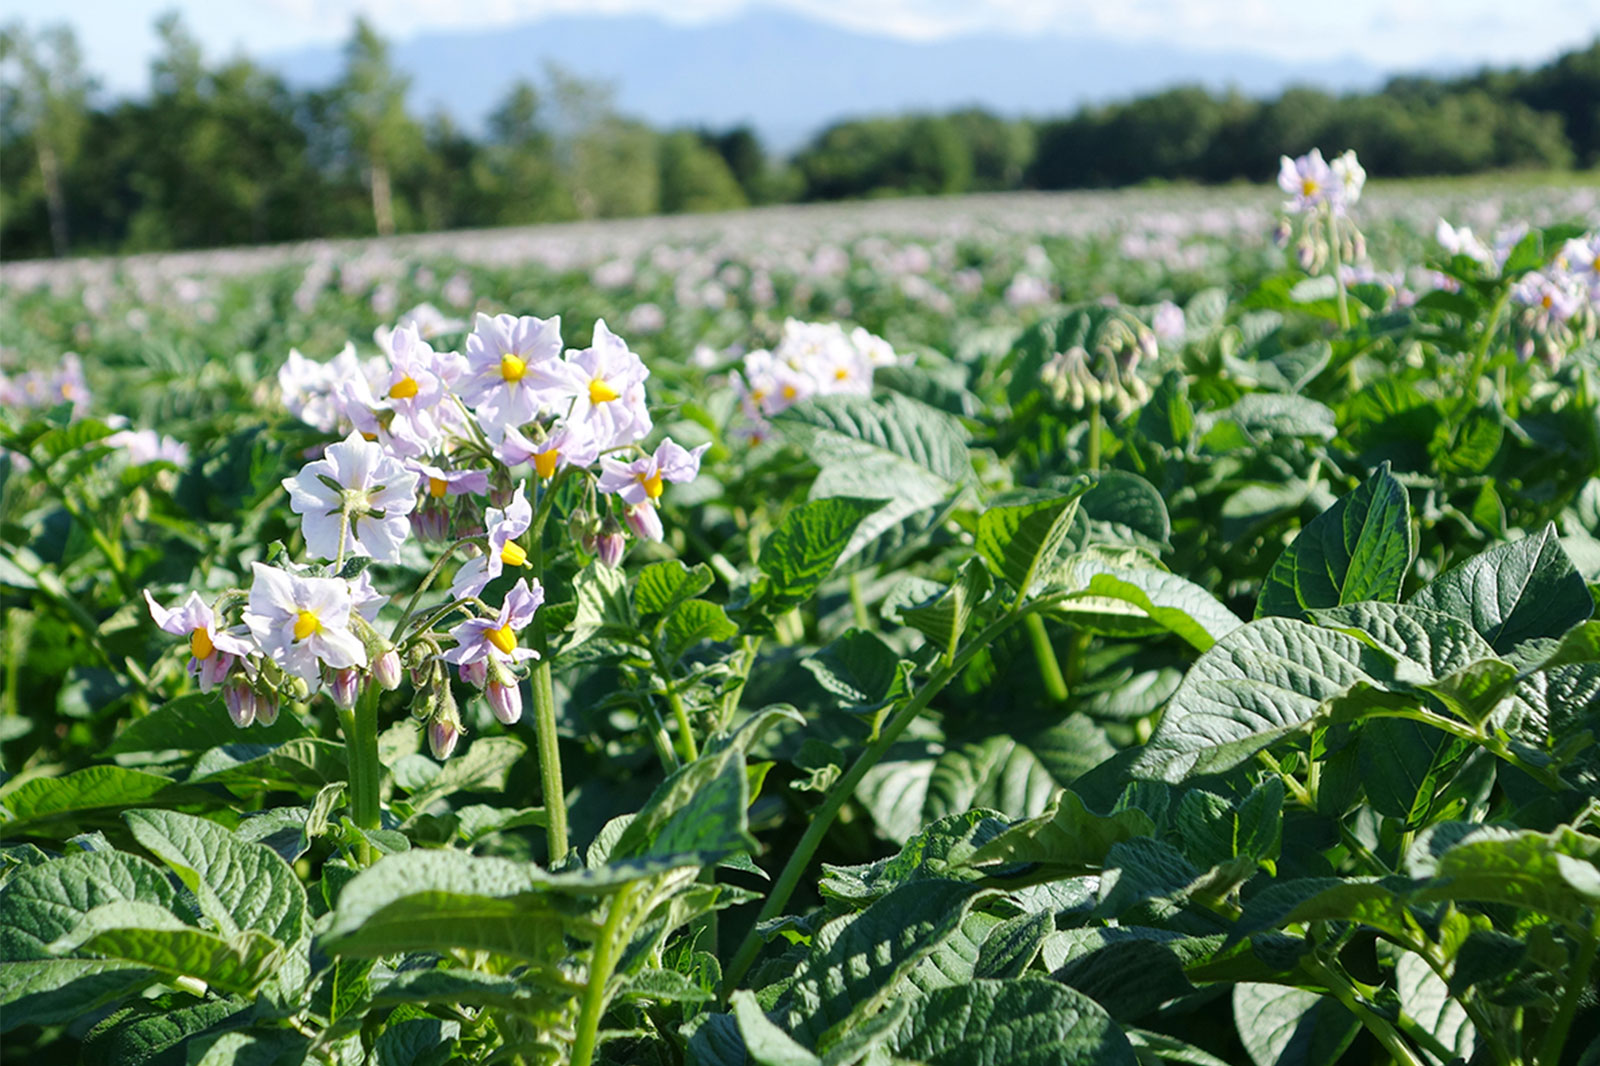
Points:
(845, 787)
(858, 603)
(606, 953)
(1555, 1038)
(1092, 459)
(1480, 354)
(1340, 988)
(555, 793)
(748, 648)
(1055, 686)
(686, 747)
(1337, 261)
(361, 747)
(438, 564)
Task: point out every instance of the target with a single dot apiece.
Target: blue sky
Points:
(118, 40)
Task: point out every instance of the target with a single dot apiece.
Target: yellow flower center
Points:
(841, 374)
(600, 391)
(512, 368)
(369, 436)
(305, 624)
(758, 395)
(1596, 264)
(652, 484)
(1547, 301)
(512, 554)
(403, 389)
(503, 638)
(437, 486)
(200, 644)
(790, 392)
(1308, 187)
(544, 463)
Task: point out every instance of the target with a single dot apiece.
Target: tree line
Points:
(227, 153)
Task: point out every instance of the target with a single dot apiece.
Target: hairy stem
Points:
(1341, 989)
(604, 962)
(1055, 685)
(555, 792)
(361, 747)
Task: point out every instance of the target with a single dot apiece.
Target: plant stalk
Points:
(845, 787)
(601, 966)
(1055, 685)
(555, 793)
(1555, 1038)
(366, 771)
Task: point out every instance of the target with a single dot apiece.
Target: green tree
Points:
(372, 102)
(695, 177)
(45, 94)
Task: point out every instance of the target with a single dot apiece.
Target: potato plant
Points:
(890, 653)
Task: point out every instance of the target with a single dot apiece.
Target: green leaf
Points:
(1020, 541)
(150, 1032)
(1284, 1026)
(1551, 873)
(662, 586)
(55, 806)
(1513, 592)
(1378, 902)
(1026, 1022)
(942, 614)
(470, 988)
(1260, 683)
(1171, 602)
(860, 669)
(1067, 838)
(197, 722)
(1012, 947)
(40, 904)
(304, 766)
(896, 449)
(481, 768)
(692, 622)
(1124, 508)
(238, 885)
(440, 900)
(601, 604)
(764, 1042)
(1358, 549)
(1426, 999)
(857, 961)
(152, 937)
(802, 551)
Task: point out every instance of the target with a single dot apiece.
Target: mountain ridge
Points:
(788, 76)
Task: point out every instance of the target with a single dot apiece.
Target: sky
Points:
(118, 39)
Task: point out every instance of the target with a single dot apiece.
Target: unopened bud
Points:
(475, 673)
(240, 698)
(386, 670)
(431, 524)
(266, 707)
(298, 690)
(344, 688)
(442, 737)
(505, 701)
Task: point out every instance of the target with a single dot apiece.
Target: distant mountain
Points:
(788, 76)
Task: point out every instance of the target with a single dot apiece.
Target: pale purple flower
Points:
(1168, 321)
(211, 650)
(1553, 299)
(601, 386)
(302, 622)
(640, 482)
(568, 444)
(428, 321)
(365, 597)
(505, 355)
(1308, 179)
(148, 446)
(354, 476)
(504, 527)
(1349, 177)
(437, 482)
(1462, 242)
(485, 638)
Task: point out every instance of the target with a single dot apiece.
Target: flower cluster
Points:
(811, 359)
(439, 447)
(1560, 304)
(1311, 182)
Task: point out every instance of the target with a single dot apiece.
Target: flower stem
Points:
(555, 793)
(1336, 261)
(361, 749)
(1340, 988)
(686, 746)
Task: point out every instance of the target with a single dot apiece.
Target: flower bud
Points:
(442, 737)
(386, 670)
(266, 707)
(240, 698)
(344, 689)
(299, 690)
(475, 673)
(1281, 233)
(431, 524)
(505, 701)
(609, 546)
